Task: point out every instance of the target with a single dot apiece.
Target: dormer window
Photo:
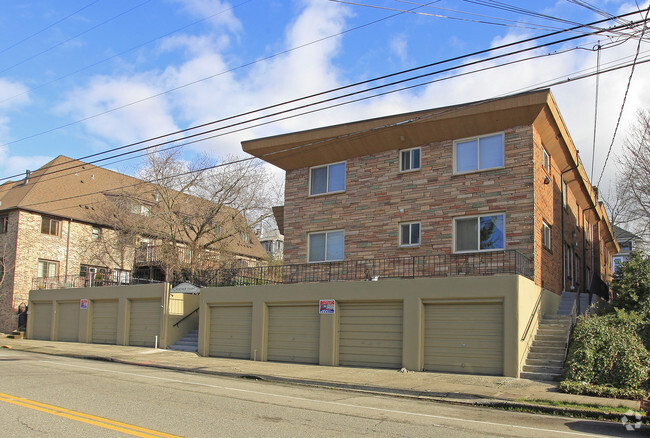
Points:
(50, 226)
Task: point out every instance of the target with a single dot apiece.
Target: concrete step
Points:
(177, 347)
(540, 376)
(186, 342)
(553, 337)
(545, 362)
(549, 344)
(546, 356)
(542, 369)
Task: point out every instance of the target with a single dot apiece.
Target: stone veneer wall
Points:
(8, 319)
(370, 209)
(31, 245)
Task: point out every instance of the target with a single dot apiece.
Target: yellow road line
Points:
(84, 418)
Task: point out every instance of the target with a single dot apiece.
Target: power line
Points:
(296, 149)
(627, 89)
(49, 26)
(29, 58)
(350, 86)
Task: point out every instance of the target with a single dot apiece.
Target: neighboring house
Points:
(273, 243)
(51, 233)
(628, 242)
(486, 177)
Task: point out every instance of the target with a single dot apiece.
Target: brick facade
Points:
(378, 197)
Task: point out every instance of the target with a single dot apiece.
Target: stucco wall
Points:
(124, 296)
(517, 294)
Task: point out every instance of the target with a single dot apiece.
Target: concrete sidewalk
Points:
(454, 388)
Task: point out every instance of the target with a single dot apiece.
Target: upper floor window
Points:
(326, 246)
(245, 237)
(546, 235)
(409, 159)
(409, 234)
(479, 153)
(626, 246)
(564, 194)
(479, 233)
(141, 209)
(48, 269)
(50, 226)
(4, 224)
(327, 179)
(587, 228)
(96, 233)
(546, 160)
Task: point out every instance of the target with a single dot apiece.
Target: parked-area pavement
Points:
(454, 388)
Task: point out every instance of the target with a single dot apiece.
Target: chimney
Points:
(596, 192)
(27, 175)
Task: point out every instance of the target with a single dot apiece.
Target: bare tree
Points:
(634, 187)
(199, 210)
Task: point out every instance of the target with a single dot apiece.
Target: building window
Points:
(141, 209)
(626, 246)
(245, 237)
(96, 233)
(4, 224)
(48, 269)
(327, 179)
(409, 234)
(409, 159)
(587, 228)
(546, 235)
(326, 246)
(50, 226)
(616, 263)
(546, 160)
(564, 194)
(479, 233)
(478, 153)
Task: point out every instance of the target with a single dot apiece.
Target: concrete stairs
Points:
(189, 342)
(566, 303)
(545, 360)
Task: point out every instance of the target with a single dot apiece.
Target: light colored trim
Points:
(412, 169)
(453, 235)
(310, 194)
(399, 235)
(478, 137)
(324, 232)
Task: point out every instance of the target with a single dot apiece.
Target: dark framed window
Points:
(4, 224)
(48, 269)
(479, 233)
(50, 225)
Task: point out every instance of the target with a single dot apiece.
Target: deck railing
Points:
(443, 265)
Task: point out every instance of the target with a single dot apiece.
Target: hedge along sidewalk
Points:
(456, 388)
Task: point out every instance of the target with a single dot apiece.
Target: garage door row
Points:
(144, 321)
(457, 337)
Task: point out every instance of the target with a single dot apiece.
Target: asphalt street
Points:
(54, 396)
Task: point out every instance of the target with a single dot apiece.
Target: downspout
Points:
(562, 225)
(67, 251)
(584, 252)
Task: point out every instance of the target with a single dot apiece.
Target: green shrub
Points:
(631, 285)
(608, 351)
(582, 388)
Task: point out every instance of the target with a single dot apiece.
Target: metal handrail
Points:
(532, 316)
(186, 316)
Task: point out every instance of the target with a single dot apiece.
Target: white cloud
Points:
(219, 13)
(146, 119)
(399, 46)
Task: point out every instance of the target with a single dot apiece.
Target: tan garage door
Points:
(230, 331)
(294, 333)
(41, 313)
(464, 337)
(69, 322)
(105, 322)
(144, 322)
(371, 335)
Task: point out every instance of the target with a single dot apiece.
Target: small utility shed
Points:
(478, 325)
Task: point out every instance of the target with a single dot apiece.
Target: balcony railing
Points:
(76, 281)
(157, 254)
(444, 265)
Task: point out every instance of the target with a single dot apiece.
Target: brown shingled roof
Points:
(72, 189)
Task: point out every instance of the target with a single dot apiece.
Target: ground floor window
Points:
(409, 234)
(326, 246)
(479, 233)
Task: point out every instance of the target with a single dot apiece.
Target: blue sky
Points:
(65, 61)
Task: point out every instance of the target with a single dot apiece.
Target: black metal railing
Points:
(444, 265)
(76, 281)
